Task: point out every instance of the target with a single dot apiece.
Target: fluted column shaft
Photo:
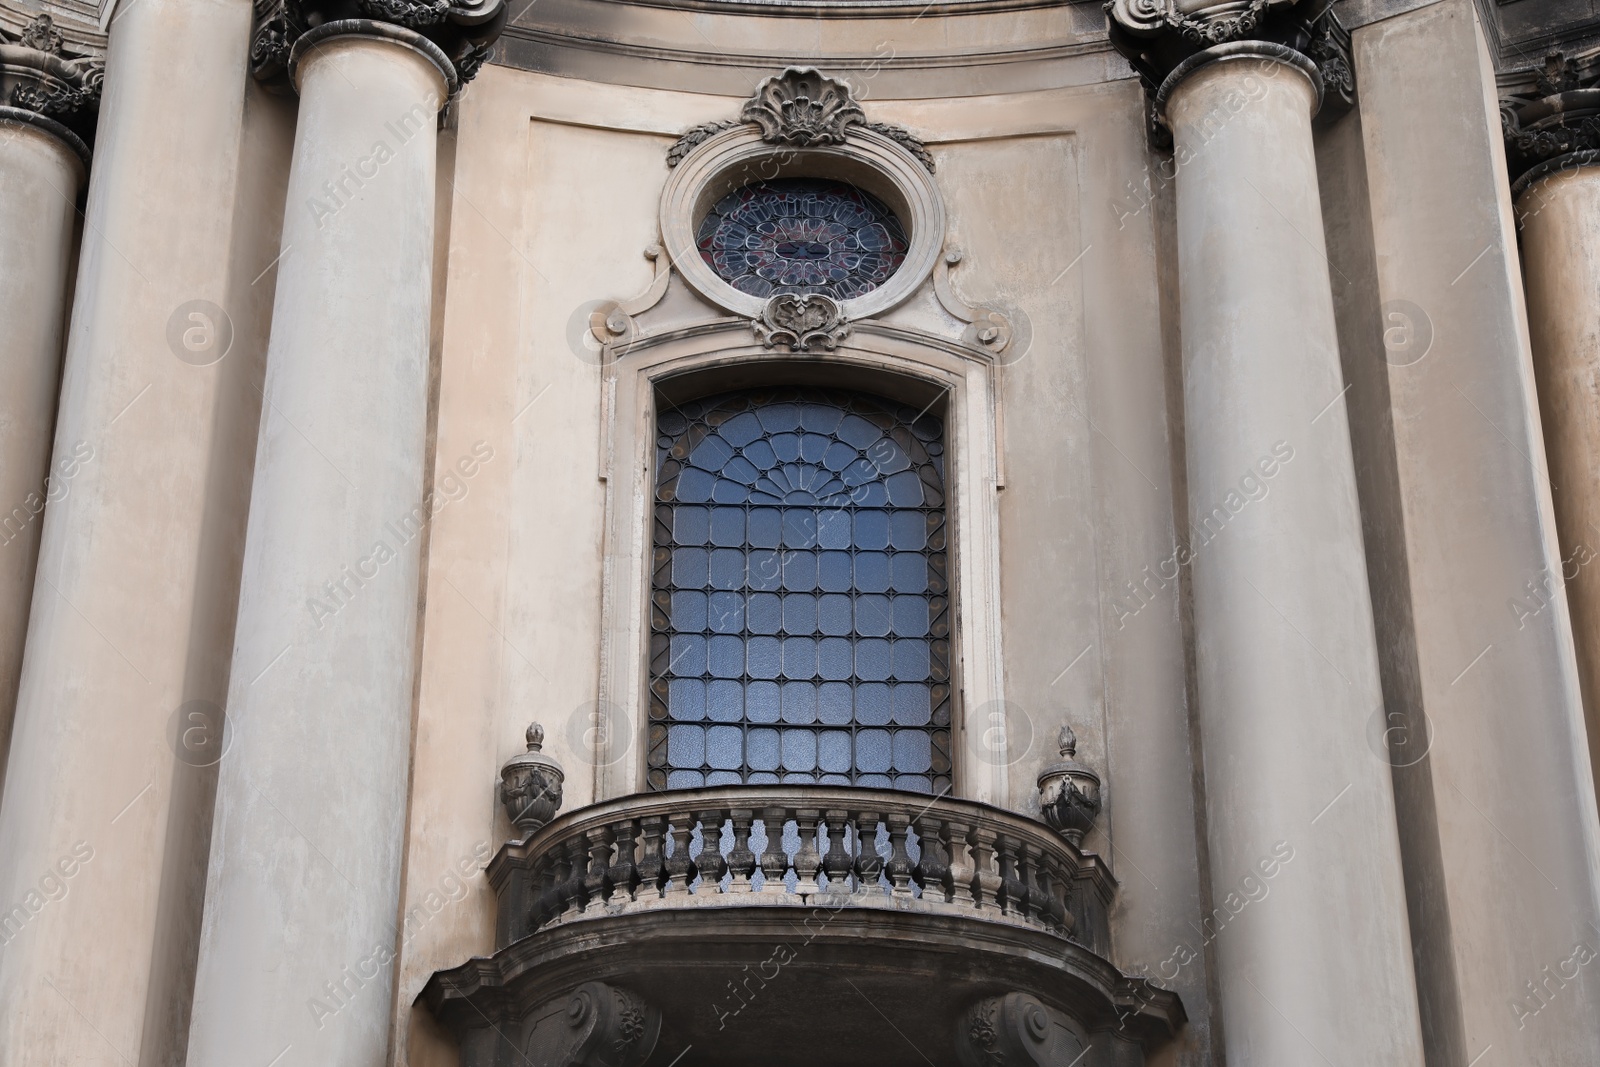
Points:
(1286, 657)
(1559, 216)
(42, 171)
(300, 925)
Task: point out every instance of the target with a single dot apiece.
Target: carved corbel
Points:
(39, 76)
(1017, 1030)
(596, 1025)
(805, 108)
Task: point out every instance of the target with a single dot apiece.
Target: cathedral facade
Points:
(634, 533)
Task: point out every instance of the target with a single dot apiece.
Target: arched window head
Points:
(800, 608)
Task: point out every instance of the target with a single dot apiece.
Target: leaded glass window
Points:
(800, 610)
(802, 235)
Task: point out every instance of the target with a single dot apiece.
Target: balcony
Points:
(745, 924)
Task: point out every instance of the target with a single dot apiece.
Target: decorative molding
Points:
(800, 321)
(804, 108)
(463, 30)
(1556, 125)
(611, 322)
(691, 140)
(530, 784)
(989, 329)
(1069, 792)
(38, 75)
(1163, 42)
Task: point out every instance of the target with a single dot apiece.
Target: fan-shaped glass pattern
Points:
(802, 235)
(800, 604)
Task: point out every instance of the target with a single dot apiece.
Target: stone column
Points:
(1308, 920)
(102, 828)
(43, 166)
(1553, 148)
(300, 936)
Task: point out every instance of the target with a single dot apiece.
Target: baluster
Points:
(540, 884)
(680, 868)
(869, 865)
(899, 865)
(932, 872)
(1060, 888)
(774, 861)
(838, 863)
(624, 874)
(986, 888)
(1013, 890)
(741, 861)
(962, 870)
(1032, 872)
(806, 860)
(596, 885)
(652, 865)
(712, 865)
(578, 865)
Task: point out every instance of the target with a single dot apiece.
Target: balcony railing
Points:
(757, 846)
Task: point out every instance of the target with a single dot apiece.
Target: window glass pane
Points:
(800, 581)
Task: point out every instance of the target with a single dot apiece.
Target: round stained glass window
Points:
(802, 235)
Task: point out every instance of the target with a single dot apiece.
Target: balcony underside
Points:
(748, 984)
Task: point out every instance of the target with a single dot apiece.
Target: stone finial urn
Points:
(530, 784)
(1069, 792)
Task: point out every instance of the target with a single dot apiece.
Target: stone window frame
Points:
(896, 362)
(869, 160)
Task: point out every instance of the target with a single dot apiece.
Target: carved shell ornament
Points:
(802, 107)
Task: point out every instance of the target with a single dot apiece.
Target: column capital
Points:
(1166, 40)
(458, 34)
(43, 85)
(1551, 119)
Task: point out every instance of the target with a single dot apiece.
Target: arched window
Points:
(800, 612)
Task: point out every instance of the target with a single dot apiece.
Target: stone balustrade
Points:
(834, 847)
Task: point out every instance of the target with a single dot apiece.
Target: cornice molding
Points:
(460, 33)
(39, 76)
